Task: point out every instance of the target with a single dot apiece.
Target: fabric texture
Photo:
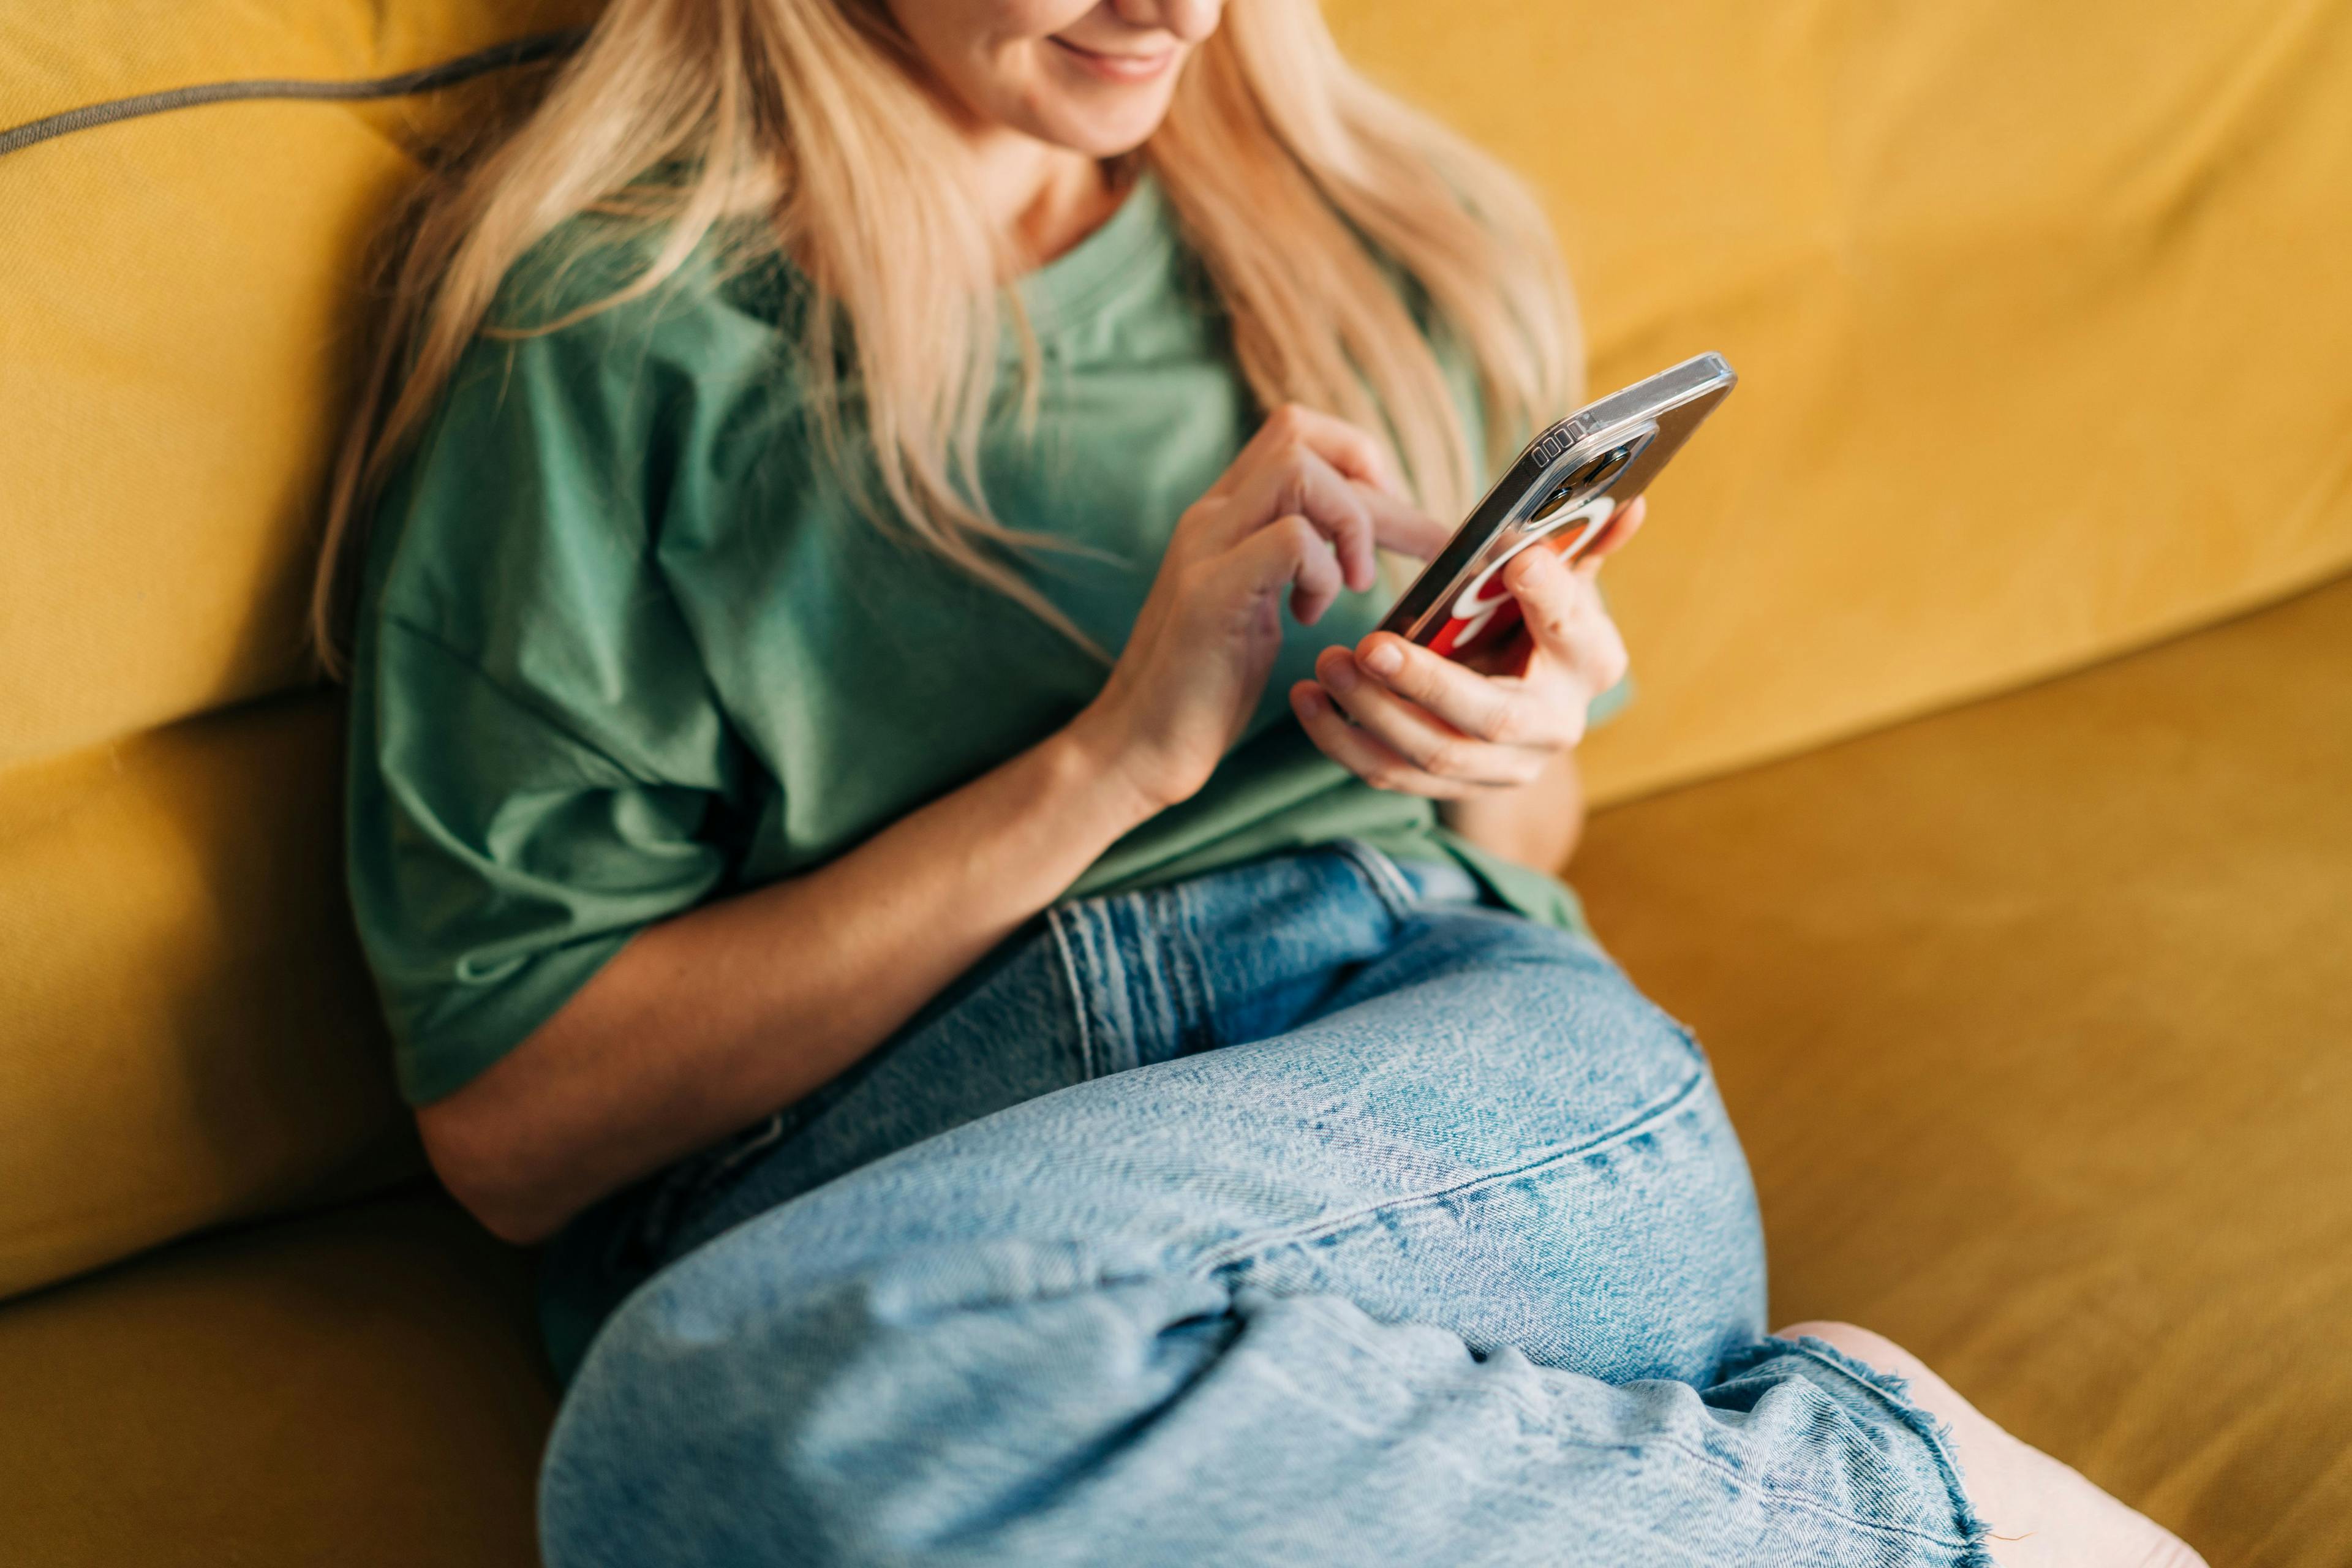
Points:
(189, 1032)
(357, 1387)
(628, 642)
(1350, 1227)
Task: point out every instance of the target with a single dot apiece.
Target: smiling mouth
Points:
(1116, 68)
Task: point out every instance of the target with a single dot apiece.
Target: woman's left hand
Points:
(1428, 725)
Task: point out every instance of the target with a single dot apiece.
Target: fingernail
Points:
(1309, 702)
(1384, 658)
(1341, 674)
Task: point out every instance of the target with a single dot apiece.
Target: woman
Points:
(885, 832)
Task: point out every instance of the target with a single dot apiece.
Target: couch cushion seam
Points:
(534, 49)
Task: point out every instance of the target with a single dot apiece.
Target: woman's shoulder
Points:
(598, 281)
(553, 453)
(597, 334)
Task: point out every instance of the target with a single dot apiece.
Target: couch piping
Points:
(526, 51)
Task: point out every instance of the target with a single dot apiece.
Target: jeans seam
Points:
(1692, 1452)
(1642, 1122)
(1153, 1020)
(1191, 969)
(1388, 883)
(1074, 974)
(1922, 1423)
(1548, 1421)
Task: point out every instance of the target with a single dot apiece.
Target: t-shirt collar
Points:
(1077, 284)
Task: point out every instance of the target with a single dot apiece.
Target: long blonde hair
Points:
(1305, 190)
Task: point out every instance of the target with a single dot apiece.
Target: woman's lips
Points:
(1115, 67)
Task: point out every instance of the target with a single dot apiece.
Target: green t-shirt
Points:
(626, 644)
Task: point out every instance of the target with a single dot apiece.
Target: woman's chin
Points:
(1101, 119)
(1099, 136)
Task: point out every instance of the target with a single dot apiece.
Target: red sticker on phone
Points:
(1484, 610)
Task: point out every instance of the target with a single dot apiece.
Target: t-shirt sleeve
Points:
(537, 761)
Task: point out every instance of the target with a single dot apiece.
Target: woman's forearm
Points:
(1537, 823)
(708, 1021)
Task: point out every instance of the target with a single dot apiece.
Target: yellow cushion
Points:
(184, 299)
(2033, 1018)
(189, 1032)
(361, 1389)
(186, 1034)
(2040, 308)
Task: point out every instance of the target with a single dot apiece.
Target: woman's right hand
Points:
(1299, 514)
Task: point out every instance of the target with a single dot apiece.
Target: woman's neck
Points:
(1043, 199)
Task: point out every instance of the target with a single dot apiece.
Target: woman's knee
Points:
(1514, 1008)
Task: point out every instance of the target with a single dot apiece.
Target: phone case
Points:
(1570, 479)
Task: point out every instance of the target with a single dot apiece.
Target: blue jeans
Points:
(1298, 1214)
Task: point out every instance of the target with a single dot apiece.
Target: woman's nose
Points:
(1191, 20)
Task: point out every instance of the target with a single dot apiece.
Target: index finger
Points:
(1399, 525)
(1345, 446)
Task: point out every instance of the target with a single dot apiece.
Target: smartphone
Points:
(1568, 480)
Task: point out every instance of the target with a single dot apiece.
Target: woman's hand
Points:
(1425, 724)
(1298, 516)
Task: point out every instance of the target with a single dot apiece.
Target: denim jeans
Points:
(1298, 1214)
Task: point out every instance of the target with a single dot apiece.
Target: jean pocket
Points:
(1384, 878)
(687, 1185)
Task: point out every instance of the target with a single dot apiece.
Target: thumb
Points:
(1551, 597)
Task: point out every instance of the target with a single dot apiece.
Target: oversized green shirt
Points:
(626, 644)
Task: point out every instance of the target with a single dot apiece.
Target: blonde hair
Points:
(1305, 190)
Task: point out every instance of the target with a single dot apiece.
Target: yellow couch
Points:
(2032, 1000)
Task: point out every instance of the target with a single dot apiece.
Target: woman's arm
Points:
(708, 1021)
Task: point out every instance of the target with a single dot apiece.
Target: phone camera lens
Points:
(1554, 502)
(1588, 475)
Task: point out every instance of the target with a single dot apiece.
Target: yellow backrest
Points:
(2036, 307)
(186, 1034)
(2040, 310)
